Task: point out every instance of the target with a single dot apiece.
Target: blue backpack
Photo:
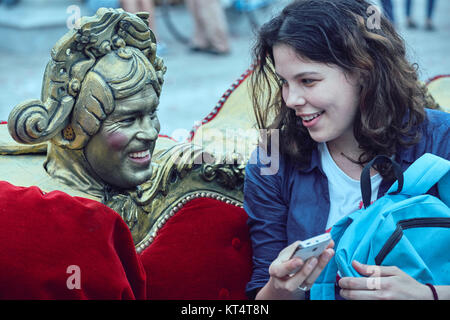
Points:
(406, 228)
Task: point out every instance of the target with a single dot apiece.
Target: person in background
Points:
(9, 3)
(211, 29)
(134, 6)
(388, 9)
(410, 23)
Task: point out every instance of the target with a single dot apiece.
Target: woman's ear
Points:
(355, 78)
(360, 79)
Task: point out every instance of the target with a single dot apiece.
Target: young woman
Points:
(345, 93)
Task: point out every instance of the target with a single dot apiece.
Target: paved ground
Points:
(194, 82)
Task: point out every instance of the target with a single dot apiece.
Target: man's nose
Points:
(148, 130)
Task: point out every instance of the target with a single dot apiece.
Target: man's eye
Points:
(154, 114)
(128, 120)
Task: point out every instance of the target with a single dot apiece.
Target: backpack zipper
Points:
(407, 224)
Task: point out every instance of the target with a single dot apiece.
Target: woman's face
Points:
(323, 96)
(120, 153)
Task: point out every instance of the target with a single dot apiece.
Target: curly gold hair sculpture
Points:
(80, 87)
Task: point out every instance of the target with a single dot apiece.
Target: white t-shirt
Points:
(345, 192)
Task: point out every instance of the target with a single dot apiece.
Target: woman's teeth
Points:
(139, 155)
(312, 116)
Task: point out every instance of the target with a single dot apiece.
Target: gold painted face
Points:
(121, 151)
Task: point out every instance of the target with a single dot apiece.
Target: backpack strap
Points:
(424, 173)
(366, 186)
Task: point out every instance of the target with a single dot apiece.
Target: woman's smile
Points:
(310, 120)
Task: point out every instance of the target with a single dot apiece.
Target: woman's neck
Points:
(346, 145)
(345, 152)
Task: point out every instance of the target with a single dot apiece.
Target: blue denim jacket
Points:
(293, 204)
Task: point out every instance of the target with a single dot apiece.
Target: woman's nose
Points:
(294, 99)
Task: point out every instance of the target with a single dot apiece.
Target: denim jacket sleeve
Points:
(267, 213)
(437, 133)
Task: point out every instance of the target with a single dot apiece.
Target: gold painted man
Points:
(98, 112)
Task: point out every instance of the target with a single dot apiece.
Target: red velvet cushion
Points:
(202, 252)
(42, 235)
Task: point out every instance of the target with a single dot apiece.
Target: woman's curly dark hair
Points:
(338, 32)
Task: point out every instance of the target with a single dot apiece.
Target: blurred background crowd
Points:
(206, 45)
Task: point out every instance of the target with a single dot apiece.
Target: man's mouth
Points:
(140, 154)
(141, 157)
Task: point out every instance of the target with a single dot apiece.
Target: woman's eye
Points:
(308, 81)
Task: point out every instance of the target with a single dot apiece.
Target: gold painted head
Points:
(118, 144)
(99, 98)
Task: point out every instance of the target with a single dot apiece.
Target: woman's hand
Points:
(382, 283)
(283, 284)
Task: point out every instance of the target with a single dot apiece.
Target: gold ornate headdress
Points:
(57, 116)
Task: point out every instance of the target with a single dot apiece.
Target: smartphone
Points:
(312, 247)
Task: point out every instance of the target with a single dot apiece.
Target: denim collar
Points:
(314, 163)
